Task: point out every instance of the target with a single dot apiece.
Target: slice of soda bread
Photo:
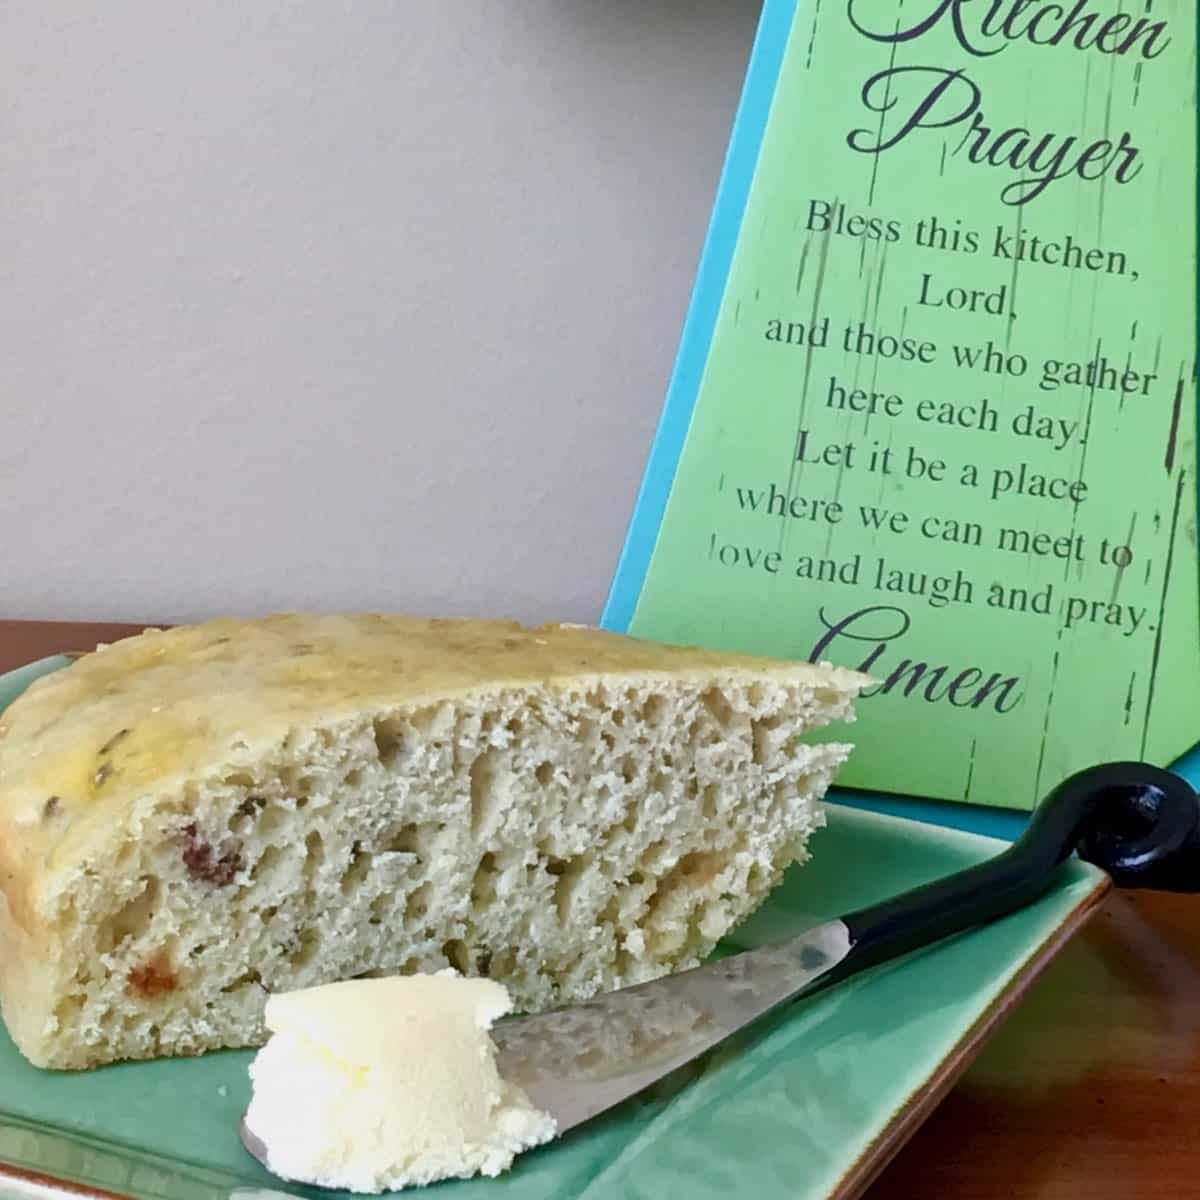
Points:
(192, 819)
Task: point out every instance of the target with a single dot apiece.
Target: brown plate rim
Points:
(909, 1117)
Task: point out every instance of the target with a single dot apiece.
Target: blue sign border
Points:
(758, 93)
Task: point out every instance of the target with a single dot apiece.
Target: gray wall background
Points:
(343, 303)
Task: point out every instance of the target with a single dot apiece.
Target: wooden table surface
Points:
(1091, 1091)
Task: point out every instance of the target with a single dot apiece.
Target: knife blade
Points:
(577, 1062)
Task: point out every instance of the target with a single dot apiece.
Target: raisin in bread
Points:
(192, 819)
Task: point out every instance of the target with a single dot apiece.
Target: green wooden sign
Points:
(934, 414)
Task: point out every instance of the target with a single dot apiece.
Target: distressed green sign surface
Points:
(945, 428)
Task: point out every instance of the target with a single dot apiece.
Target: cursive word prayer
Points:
(883, 624)
(943, 99)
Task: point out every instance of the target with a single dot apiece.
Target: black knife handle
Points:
(1139, 823)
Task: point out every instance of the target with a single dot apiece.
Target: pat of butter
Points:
(379, 1084)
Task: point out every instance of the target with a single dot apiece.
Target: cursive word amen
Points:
(883, 624)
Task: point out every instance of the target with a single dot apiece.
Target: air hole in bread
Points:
(406, 840)
(266, 861)
(483, 884)
(456, 954)
(701, 867)
(712, 801)
(314, 855)
(417, 904)
(484, 796)
(306, 948)
(389, 742)
(132, 919)
(572, 876)
(246, 979)
(718, 707)
(357, 870)
(378, 909)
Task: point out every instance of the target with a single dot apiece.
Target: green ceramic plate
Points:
(810, 1106)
